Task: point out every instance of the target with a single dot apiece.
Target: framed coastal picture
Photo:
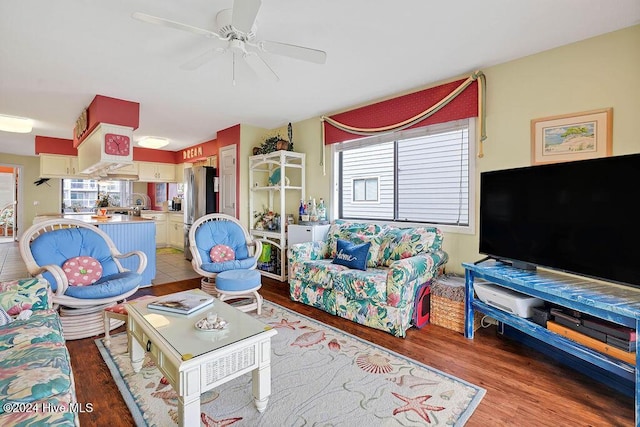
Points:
(568, 137)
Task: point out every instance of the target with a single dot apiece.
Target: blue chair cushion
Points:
(218, 267)
(212, 233)
(106, 287)
(56, 247)
(238, 280)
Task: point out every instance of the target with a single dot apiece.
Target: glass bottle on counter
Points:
(301, 210)
(313, 211)
(322, 210)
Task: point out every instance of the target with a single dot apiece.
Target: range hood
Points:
(115, 176)
(105, 150)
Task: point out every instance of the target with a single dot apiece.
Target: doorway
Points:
(9, 208)
(228, 180)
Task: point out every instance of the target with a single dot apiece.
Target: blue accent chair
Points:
(47, 245)
(220, 229)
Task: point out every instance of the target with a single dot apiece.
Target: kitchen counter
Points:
(93, 219)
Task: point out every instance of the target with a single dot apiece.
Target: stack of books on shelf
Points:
(606, 337)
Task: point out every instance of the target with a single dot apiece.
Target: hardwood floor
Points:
(524, 387)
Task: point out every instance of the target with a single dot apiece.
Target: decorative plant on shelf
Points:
(274, 143)
(270, 145)
(267, 220)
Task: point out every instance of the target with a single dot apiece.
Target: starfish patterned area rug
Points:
(319, 376)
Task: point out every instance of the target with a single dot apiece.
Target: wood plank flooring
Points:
(524, 387)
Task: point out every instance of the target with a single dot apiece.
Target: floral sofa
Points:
(382, 296)
(36, 381)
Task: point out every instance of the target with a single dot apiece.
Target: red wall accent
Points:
(104, 109)
(152, 155)
(45, 144)
(198, 152)
(401, 108)
(229, 136)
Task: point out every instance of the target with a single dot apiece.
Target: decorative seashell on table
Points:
(211, 323)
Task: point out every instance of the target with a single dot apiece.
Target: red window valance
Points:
(386, 114)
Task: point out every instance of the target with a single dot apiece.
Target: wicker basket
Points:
(450, 314)
(447, 304)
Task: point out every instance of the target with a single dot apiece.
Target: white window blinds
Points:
(423, 175)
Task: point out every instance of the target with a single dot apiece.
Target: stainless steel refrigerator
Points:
(200, 188)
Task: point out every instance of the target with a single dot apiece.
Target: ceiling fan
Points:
(236, 33)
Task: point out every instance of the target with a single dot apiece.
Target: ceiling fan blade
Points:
(244, 14)
(260, 67)
(173, 24)
(202, 59)
(293, 51)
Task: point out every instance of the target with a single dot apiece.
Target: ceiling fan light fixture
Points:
(15, 124)
(236, 28)
(152, 142)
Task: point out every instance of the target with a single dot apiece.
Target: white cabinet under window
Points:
(156, 172)
(59, 166)
(306, 233)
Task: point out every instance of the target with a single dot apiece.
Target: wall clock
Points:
(117, 145)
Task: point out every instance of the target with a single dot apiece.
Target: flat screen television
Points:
(578, 217)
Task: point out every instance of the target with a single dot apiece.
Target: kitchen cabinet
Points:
(180, 171)
(130, 169)
(58, 166)
(160, 218)
(176, 231)
(276, 182)
(156, 172)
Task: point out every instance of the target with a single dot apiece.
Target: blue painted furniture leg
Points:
(468, 304)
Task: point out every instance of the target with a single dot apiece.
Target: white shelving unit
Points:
(277, 197)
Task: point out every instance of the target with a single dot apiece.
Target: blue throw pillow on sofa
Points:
(352, 255)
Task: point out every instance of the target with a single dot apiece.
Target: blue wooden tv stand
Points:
(615, 303)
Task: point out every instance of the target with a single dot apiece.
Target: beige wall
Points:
(250, 136)
(592, 74)
(48, 195)
(596, 73)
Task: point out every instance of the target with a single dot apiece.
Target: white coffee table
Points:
(196, 361)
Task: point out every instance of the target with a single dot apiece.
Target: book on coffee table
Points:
(185, 302)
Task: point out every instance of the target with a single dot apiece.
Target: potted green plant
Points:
(103, 200)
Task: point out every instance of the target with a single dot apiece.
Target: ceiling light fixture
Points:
(153, 142)
(15, 124)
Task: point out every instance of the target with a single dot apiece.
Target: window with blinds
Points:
(419, 176)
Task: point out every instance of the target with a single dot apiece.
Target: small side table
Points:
(117, 312)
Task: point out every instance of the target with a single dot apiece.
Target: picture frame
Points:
(568, 137)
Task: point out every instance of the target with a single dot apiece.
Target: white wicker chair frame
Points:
(80, 318)
(208, 278)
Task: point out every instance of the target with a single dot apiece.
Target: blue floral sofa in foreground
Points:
(36, 381)
(382, 296)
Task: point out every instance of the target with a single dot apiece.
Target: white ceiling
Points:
(55, 56)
